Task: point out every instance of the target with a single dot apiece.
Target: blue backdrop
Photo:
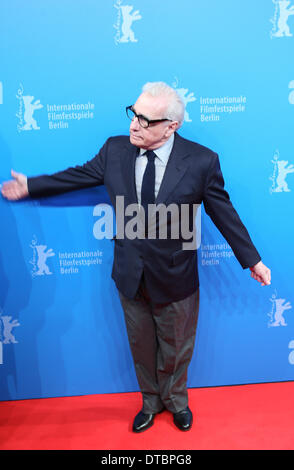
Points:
(68, 69)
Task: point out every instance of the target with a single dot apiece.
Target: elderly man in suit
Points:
(156, 276)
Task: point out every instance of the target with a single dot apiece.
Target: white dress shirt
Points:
(162, 156)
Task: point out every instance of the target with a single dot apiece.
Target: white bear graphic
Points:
(42, 257)
(280, 308)
(283, 171)
(285, 12)
(7, 328)
(128, 18)
(187, 99)
(30, 107)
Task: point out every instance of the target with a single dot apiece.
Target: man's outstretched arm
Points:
(88, 175)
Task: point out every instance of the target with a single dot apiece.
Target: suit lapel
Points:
(174, 172)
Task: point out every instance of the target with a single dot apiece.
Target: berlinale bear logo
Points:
(280, 20)
(186, 97)
(6, 336)
(279, 306)
(38, 261)
(125, 19)
(281, 169)
(26, 108)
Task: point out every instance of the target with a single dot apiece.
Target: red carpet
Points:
(240, 417)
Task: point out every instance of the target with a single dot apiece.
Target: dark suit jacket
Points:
(192, 175)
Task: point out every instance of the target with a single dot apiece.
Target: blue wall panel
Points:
(68, 69)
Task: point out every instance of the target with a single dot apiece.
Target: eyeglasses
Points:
(143, 121)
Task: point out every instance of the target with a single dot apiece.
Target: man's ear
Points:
(171, 128)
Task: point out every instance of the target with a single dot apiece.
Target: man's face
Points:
(152, 137)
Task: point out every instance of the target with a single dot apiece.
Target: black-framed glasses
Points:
(143, 120)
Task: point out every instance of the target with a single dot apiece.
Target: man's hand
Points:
(261, 273)
(15, 189)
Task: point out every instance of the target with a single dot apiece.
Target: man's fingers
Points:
(19, 177)
(263, 278)
(17, 188)
(261, 273)
(14, 174)
(267, 277)
(13, 190)
(255, 276)
(10, 190)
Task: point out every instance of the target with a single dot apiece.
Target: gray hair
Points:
(176, 107)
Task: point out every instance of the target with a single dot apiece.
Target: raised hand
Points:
(15, 189)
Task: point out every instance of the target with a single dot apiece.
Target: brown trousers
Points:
(162, 338)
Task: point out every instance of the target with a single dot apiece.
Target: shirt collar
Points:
(164, 151)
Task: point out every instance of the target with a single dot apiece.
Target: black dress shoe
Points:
(143, 421)
(184, 419)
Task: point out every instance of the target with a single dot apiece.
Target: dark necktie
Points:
(148, 185)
